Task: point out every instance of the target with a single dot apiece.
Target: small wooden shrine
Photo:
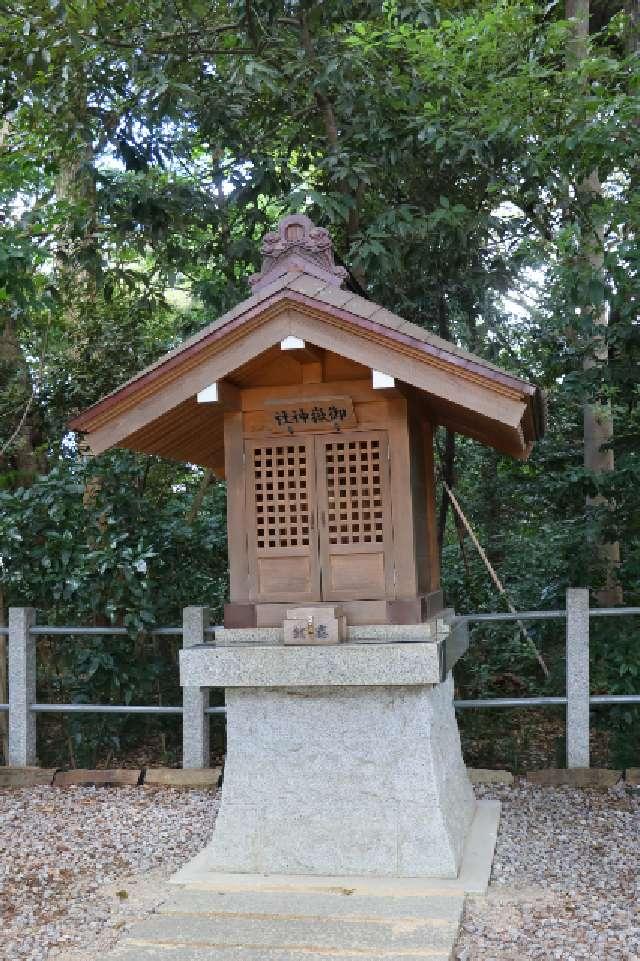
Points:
(318, 407)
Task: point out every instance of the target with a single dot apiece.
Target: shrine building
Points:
(319, 407)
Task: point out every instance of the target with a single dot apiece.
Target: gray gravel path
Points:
(77, 863)
(565, 881)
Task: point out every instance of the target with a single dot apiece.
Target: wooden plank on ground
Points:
(632, 776)
(182, 777)
(25, 776)
(479, 775)
(575, 777)
(80, 776)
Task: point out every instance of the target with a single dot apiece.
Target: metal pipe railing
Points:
(511, 702)
(104, 709)
(112, 709)
(95, 631)
(460, 705)
(577, 700)
(547, 615)
(524, 616)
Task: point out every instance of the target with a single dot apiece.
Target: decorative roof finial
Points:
(297, 246)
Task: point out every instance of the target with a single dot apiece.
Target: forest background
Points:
(477, 165)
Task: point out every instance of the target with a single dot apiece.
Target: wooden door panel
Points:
(282, 533)
(355, 517)
(284, 575)
(360, 575)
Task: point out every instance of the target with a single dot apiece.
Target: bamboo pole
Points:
(494, 577)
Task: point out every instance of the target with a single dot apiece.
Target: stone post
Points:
(22, 687)
(195, 700)
(577, 677)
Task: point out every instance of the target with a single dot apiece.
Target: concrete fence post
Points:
(577, 677)
(195, 700)
(22, 687)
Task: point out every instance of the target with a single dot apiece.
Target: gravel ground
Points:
(77, 863)
(565, 881)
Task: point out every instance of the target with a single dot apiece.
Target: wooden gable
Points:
(157, 411)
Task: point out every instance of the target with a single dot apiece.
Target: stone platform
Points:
(255, 924)
(341, 759)
(343, 780)
(247, 917)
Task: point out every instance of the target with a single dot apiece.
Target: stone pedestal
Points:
(342, 760)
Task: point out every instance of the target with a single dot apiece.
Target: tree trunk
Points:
(17, 445)
(331, 130)
(597, 415)
(448, 459)
(77, 254)
(17, 448)
(448, 475)
(4, 684)
(632, 34)
(199, 496)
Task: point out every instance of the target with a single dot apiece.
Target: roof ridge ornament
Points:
(298, 245)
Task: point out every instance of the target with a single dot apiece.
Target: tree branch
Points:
(7, 444)
(199, 496)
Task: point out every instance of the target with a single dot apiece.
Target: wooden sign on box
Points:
(310, 413)
(315, 625)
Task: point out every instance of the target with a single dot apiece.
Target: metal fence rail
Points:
(195, 710)
(548, 615)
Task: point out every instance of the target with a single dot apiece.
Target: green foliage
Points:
(107, 543)
(109, 538)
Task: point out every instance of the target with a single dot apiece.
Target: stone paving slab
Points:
(314, 906)
(182, 777)
(271, 931)
(207, 915)
(254, 924)
(127, 776)
(138, 952)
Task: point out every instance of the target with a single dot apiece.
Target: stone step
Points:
(310, 906)
(255, 932)
(473, 878)
(129, 951)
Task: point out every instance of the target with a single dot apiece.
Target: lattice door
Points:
(355, 516)
(283, 543)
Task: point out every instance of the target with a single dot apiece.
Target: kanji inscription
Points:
(319, 627)
(291, 416)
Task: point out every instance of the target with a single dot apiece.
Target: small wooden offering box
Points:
(315, 625)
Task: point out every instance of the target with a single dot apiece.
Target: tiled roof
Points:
(333, 296)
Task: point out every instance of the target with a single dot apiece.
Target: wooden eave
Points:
(156, 411)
